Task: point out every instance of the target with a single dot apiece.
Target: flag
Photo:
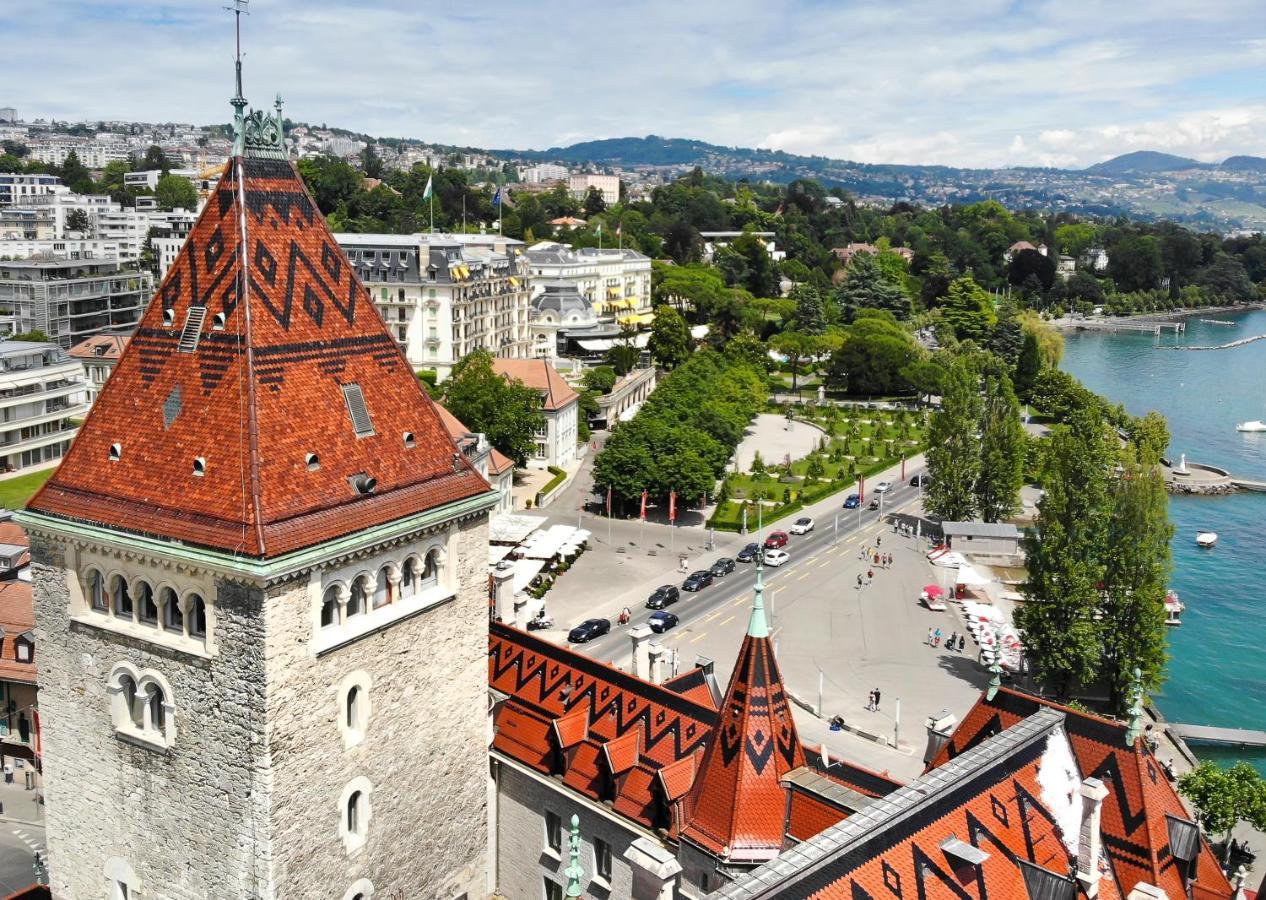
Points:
(599, 229)
(619, 229)
(672, 506)
(608, 502)
(496, 198)
(426, 194)
(643, 515)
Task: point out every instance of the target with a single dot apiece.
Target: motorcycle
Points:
(541, 620)
(874, 504)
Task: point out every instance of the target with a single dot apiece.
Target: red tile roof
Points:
(258, 393)
(737, 806)
(101, 346)
(13, 533)
(498, 462)
(17, 616)
(538, 374)
(1134, 826)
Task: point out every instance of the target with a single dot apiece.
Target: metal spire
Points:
(757, 626)
(1137, 711)
(573, 871)
(238, 101)
(995, 682)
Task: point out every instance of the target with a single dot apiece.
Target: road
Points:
(18, 843)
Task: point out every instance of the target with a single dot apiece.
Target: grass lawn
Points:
(15, 492)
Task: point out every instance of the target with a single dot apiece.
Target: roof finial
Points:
(238, 101)
(573, 871)
(758, 627)
(1137, 710)
(995, 680)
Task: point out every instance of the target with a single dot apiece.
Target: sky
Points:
(952, 82)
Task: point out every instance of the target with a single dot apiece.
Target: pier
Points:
(1128, 325)
(1209, 734)
(1240, 343)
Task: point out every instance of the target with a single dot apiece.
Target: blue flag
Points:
(496, 198)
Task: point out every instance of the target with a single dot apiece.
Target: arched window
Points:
(126, 711)
(173, 615)
(157, 711)
(382, 588)
(356, 604)
(352, 711)
(148, 609)
(354, 823)
(121, 597)
(329, 607)
(409, 578)
(97, 592)
(197, 617)
(431, 568)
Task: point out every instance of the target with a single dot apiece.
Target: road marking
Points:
(713, 616)
(739, 602)
(774, 633)
(825, 563)
(804, 576)
(809, 560)
(727, 621)
(701, 636)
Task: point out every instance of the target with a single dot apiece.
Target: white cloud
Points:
(978, 82)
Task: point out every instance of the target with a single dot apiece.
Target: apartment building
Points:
(18, 188)
(616, 281)
(41, 390)
(70, 300)
(444, 296)
(579, 186)
(543, 173)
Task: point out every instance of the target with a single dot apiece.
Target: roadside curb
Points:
(880, 739)
(14, 820)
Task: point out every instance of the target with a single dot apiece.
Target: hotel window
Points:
(382, 588)
(329, 608)
(553, 832)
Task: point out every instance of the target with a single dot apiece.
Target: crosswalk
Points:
(26, 838)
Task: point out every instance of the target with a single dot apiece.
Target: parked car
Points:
(922, 480)
(852, 501)
(722, 567)
(697, 581)
(665, 595)
(776, 539)
(883, 487)
(776, 557)
(661, 622)
(802, 525)
(749, 553)
(588, 630)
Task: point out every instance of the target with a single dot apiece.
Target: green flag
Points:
(599, 229)
(426, 194)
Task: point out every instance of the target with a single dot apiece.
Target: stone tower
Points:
(260, 588)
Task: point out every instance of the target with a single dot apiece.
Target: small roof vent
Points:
(312, 461)
(409, 440)
(363, 484)
(355, 400)
(116, 452)
(218, 322)
(169, 317)
(199, 466)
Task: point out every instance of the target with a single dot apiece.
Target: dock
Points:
(1209, 734)
(1128, 325)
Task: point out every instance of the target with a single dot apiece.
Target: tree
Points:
(176, 192)
(1075, 238)
(371, 162)
(1135, 263)
(155, 158)
(748, 349)
(595, 205)
(868, 286)
(1028, 365)
(1226, 279)
(76, 175)
(875, 353)
(796, 347)
(1136, 573)
(1064, 552)
(669, 343)
(1082, 285)
(623, 358)
(1001, 472)
(599, 379)
(953, 454)
(505, 410)
(968, 310)
(926, 376)
(810, 318)
(683, 243)
(759, 278)
(1028, 263)
(1150, 435)
(77, 220)
(1225, 796)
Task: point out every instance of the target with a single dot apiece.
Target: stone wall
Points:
(423, 746)
(187, 821)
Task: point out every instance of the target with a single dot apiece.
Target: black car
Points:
(588, 630)
(697, 581)
(665, 595)
(661, 622)
(722, 567)
(750, 553)
(921, 480)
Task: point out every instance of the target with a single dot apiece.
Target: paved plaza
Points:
(769, 434)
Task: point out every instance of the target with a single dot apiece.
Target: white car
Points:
(883, 487)
(776, 557)
(802, 525)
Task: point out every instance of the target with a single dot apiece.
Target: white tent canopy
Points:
(512, 529)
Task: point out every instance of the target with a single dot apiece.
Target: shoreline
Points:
(1167, 316)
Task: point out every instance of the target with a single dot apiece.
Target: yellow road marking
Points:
(713, 616)
(701, 636)
(803, 576)
(739, 602)
(727, 621)
(809, 560)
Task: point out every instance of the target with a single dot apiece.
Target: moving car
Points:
(665, 595)
(883, 487)
(802, 525)
(921, 480)
(749, 553)
(776, 539)
(588, 630)
(722, 567)
(852, 501)
(776, 557)
(697, 581)
(661, 622)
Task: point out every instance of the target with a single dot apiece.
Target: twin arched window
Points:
(138, 602)
(141, 705)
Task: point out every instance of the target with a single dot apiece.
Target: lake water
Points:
(1217, 670)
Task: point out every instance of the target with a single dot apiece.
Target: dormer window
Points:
(24, 646)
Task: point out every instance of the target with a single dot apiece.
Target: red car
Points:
(776, 540)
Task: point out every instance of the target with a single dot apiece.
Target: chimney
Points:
(940, 727)
(1090, 845)
(640, 635)
(659, 660)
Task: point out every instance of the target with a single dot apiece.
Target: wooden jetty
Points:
(1129, 325)
(1208, 734)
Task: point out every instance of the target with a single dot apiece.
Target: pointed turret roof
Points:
(736, 806)
(261, 406)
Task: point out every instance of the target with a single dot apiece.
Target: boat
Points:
(1206, 538)
(1173, 608)
(1255, 425)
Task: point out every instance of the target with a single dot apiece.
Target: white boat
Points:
(1255, 425)
(1206, 538)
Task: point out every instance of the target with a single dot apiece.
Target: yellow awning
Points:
(514, 281)
(636, 319)
(613, 292)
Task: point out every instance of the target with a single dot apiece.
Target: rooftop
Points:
(980, 529)
(539, 374)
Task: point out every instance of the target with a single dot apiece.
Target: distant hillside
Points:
(1244, 164)
(1143, 162)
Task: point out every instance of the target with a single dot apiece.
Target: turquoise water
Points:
(1217, 669)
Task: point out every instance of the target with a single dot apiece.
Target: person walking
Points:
(870, 700)
(929, 635)
(952, 642)
(870, 575)
(936, 638)
(875, 708)
(962, 642)
(859, 580)
(879, 540)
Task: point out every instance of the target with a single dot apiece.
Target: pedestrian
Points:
(870, 700)
(876, 559)
(936, 638)
(879, 540)
(859, 579)
(953, 641)
(929, 635)
(962, 642)
(870, 575)
(876, 699)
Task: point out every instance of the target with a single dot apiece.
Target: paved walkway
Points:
(768, 433)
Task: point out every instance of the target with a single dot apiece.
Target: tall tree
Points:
(968, 310)
(1064, 552)
(1136, 572)
(1001, 472)
(1135, 263)
(1028, 365)
(810, 318)
(869, 286)
(669, 343)
(595, 204)
(508, 412)
(371, 162)
(953, 453)
(1225, 796)
(77, 220)
(155, 158)
(75, 174)
(176, 192)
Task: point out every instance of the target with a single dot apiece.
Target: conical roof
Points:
(260, 395)
(737, 805)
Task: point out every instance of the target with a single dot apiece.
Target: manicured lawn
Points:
(15, 492)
